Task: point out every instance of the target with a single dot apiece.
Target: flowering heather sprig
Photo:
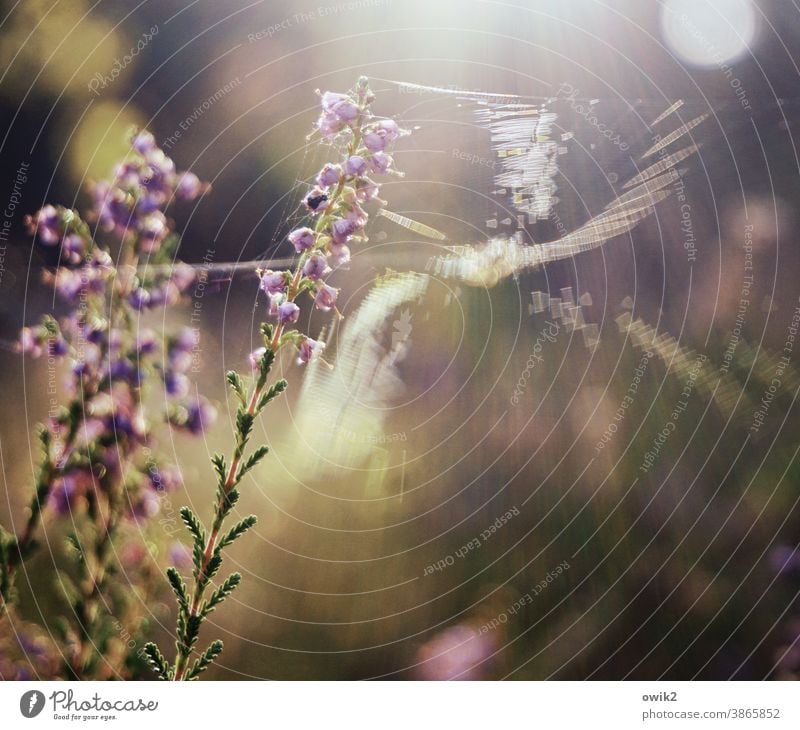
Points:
(98, 464)
(337, 222)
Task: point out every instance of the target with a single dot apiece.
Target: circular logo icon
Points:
(31, 703)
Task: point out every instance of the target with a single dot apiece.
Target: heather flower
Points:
(100, 262)
(139, 299)
(176, 384)
(255, 358)
(316, 266)
(342, 229)
(159, 173)
(185, 340)
(288, 313)
(57, 346)
(180, 360)
(329, 125)
(165, 477)
(356, 214)
(147, 202)
(272, 282)
(88, 362)
(189, 187)
(116, 340)
(316, 201)
(124, 422)
(302, 239)
(457, 652)
(94, 332)
(145, 505)
(325, 298)
(308, 350)
(30, 342)
(128, 176)
(340, 252)
(124, 369)
(69, 490)
(380, 162)
(389, 128)
(340, 105)
(73, 248)
(367, 190)
(146, 341)
(179, 555)
(338, 111)
(152, 230)
(182, 276)
(356, 165)
(111, 208)
(329, 175)
(68, 283)
(63, 496)
(46, 224)
(379, 136)
(200, 414)
(143, 142)
(162, 295)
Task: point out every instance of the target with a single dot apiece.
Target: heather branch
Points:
(335, 200)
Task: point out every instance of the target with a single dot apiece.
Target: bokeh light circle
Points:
(708, 33)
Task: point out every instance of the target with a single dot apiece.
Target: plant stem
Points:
(49, 471)
(183, 652)
(95, 581)
(182, 657)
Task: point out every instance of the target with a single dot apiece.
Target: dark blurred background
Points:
(685, 570)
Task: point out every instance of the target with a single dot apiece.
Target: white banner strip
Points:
(400, 705)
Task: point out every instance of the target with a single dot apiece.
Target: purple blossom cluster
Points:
(110, 357)
(100, 465)
(334, 204)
